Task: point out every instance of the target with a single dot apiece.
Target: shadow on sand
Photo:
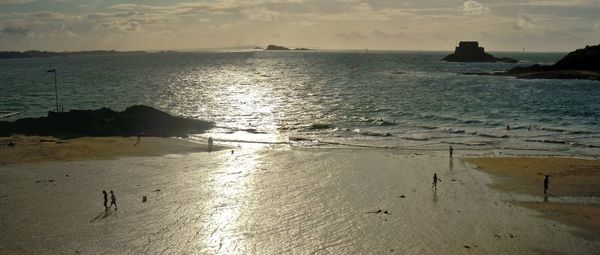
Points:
(101, 216)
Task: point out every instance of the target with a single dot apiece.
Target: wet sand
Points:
(274, 200)
(574, 192)
(29, 149)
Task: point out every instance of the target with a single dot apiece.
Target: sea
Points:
(380, 99)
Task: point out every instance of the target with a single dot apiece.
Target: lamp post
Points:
(53, 70)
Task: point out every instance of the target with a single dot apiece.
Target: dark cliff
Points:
(579, 64)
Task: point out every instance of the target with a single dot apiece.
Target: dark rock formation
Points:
(275, 47)
(587, 58)
(471, 52)
(579, 64)
(135, 120)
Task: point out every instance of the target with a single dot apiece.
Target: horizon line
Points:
(253, 48)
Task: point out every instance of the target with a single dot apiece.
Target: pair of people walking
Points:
(113, 200)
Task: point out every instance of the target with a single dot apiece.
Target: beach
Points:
(29, 149)
(276, 199)
(573, 190)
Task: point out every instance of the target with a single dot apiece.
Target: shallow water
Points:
(389, 99)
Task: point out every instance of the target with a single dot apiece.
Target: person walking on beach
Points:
(435, 181)
(546, 183)
(451, 149)
(210, 143)
(113, 200)
(105, 200)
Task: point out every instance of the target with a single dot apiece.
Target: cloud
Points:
(563, 3)
(381, 34)
(304, 23)
(13, 30)
(261, 13)
(350, 35)
(362, 7)
(524, 22)
(16, 1)
(472, 7)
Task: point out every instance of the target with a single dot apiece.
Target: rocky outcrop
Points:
(471, 52)
(579, 64)
(135, 120)
(275, 47)
(587, 58)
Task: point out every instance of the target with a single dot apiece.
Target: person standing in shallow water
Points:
(451, 149)
(105, 200)
(113, 200)
(546, 183)
(435, 181)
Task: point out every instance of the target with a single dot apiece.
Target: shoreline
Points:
(552, 75)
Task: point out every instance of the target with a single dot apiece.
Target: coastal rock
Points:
(579, 64)
(135, 120)
(469, 51)
(275, 47)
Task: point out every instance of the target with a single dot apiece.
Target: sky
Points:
(499, 25)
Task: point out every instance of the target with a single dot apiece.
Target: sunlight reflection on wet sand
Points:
(231, 186)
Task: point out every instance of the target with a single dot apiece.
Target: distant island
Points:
(47, 54)
(275, 47)
(469, 51)
(138, 120)
(579, 64)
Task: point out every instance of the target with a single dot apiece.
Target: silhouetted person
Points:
(210, 143)
(435, 181)
(113, 200)
(451, 149)
(138, 141)
(546, 183)
(508, 127)
(105, 200)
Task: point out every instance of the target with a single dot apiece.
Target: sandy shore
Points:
(573, 191)
(29, 149)
(274, 200)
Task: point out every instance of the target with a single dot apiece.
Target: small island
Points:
(137, 120)
(469, 51)
(276, 47)
(579, 64)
